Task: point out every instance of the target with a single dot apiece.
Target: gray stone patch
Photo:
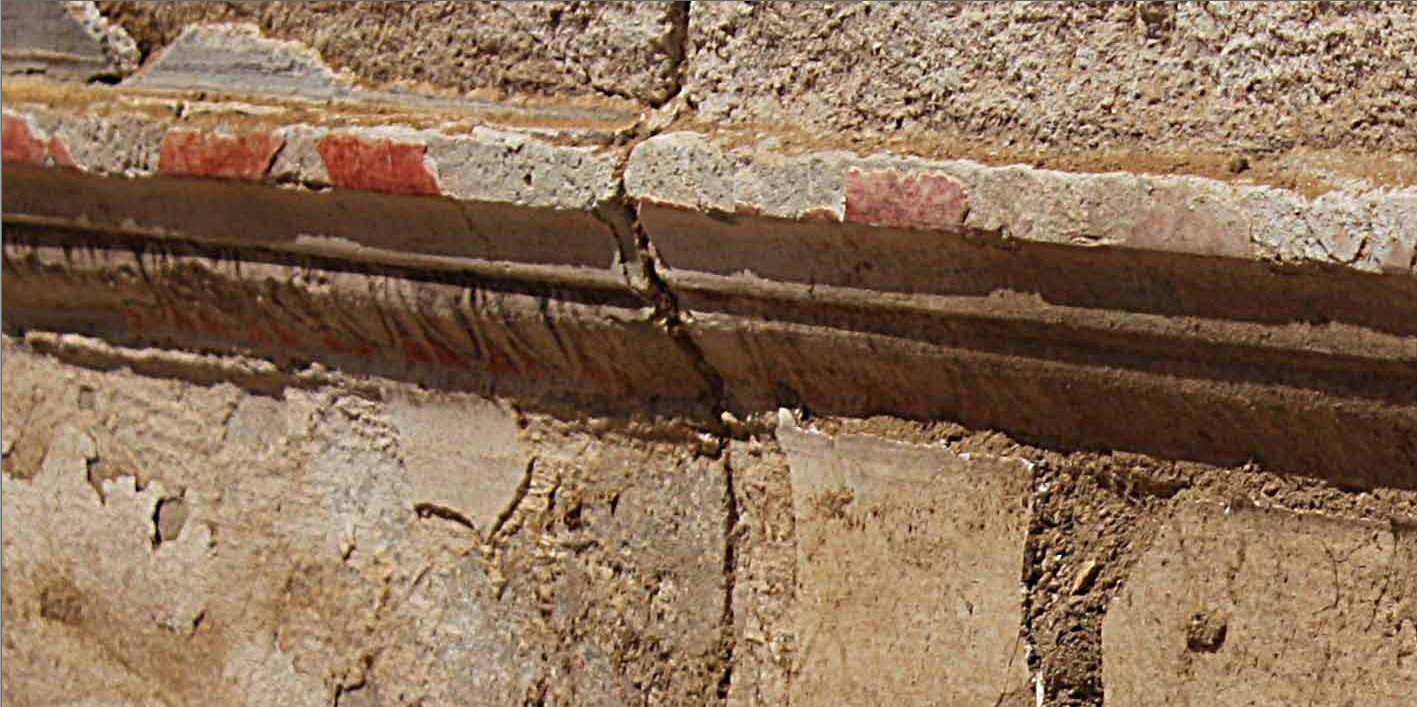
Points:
(236, 58)
(514, 168)
(64, 40)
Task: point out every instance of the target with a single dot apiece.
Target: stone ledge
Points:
(1367, 231)
(119, 133)
(236, 173)
(589, 342)
(849, 285)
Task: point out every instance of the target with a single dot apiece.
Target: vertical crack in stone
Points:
(1032, 572)
(518, 498)
(641, 272)
(730, 575)
(621, 215)
(677, 47)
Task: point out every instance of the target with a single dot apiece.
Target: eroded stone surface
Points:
(188, 153)
(1245, 606)
(377, 164)
(909, 566)
(1185, 215)
(236, 58)
(302, 572)
(616, 49)
(463, 457)
(764, 574)
(1189, 76)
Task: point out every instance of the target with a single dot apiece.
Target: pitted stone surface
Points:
(609, 49)
(1073, 76)
(1186, 215)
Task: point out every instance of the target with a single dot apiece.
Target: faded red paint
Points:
(923, 201)
(412, 351)
(1179, 220)
(377, 165)
(193, 153)
(445, 356)
(332, 341)
(19, 144)
(59, 152)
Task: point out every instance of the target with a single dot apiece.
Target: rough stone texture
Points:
(65, 40)
(125, 135)
(122, 143)
(563, 48)
(304, 573)
(1365, 230)
(1245, 606)
(188, 153)
(764, 573)
(909, 567)
(1183, 77)
(527, 338)
(24, 143)
(377, 165)
(1178, 230)
(924, 201)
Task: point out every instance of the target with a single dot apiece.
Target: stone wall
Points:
(709, 353)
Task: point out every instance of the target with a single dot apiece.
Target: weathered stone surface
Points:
(374, 164)
(23, 143)
(930, 202)
(463, 457)
(764, 574)
(189, 153)
(694, 171)
(1247, 606)
(125, 142)
(508, 195)
(1182, 215)
(611, 49)
(909, 570)
(594, 343)
(1194, 77)
(236, 58)
(66, 40)
(303, 573)
(122, 134)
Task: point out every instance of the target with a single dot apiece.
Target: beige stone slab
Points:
(462, 456)
(1257, 607)
(301, 573)
(909, 564)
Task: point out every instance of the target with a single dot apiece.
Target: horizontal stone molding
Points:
(1370, 231)
(744, 276)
